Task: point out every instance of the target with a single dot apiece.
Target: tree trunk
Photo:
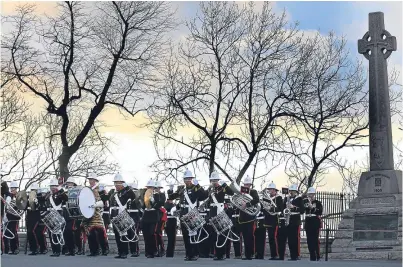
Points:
(212, 159)
(245, 167)
(64, 159)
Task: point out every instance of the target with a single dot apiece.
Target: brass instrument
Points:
(31, 199)
(21, 200)
(267, 206)
(148, 198)
(287, 212)
(240, 200)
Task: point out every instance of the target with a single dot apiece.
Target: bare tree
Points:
(227, 90)
(88, 57)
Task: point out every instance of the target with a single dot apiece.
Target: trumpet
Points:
(308, 204)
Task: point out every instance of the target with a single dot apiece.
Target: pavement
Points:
(22, 260)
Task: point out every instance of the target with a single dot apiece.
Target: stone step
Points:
(367, 255)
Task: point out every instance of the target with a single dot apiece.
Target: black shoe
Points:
(104, 253)
(219, 258)
(274, 259)
(187, 258)
(124, 256)
(13, 253)
(55, 255)
(227, 256)
(194, 258)
(134, 255)
(92, 254)
(80, 252)
(70, 254)
(292, 259)
(238, 257)
(32, 253)
(259, 258)
(118, 257)
(247, 258)
(150, 256)
(43, 252)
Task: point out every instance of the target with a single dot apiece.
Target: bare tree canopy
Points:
(87, 57)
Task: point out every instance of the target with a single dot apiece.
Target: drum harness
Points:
(222, 218)
(59, 240)
(122, 209)
(192, 233)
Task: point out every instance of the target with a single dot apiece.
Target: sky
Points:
(134, 150)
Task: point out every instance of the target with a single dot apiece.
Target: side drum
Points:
(81, 203)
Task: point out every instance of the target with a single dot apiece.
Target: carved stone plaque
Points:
(372, 227)
(380, 182)
(373, 201)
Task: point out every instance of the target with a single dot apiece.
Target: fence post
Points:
(327, 244)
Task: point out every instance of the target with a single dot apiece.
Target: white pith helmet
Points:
(272, 186)
(54, 182)
(71, 180)
(13, 184)
(311, 190)
(293, 187)
(34, 186)
(188, 174)
(92, 175)
(214, 176)
(118, 178)
(134, 185)
(150, 183)
(247, 180)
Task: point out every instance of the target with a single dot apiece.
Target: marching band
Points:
(211, 220)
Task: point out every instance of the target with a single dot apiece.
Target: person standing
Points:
(70, 227)
(163, 218)
(313, 223)
(188, 200)
(33, 217)
(134, 210)
(171, 225)
(295, 204)
(13, 219)
(106, 217)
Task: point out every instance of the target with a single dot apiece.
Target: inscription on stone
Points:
(375, 227)
(372, 201)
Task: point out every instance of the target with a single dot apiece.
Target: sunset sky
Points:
(134, 150)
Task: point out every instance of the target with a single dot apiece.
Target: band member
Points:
(119, 200)
(216, 200)
(33, 217)
(246, 221)
(70, 227)
(94, 227)
(151, 217)
(260, 236)
(106, 216)
(272, 218)
(6, 196)
(233, 213)
(188, 199)
(205, 247)
(163, 218)
(313, 223)
(134, 210)
(55, 201)
(295, 205)
(13, 219)
(171, 225)
(40, 228)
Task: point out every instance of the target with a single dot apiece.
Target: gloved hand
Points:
(171, 187)
(101, 188)
(59, 187)
(99, 204)
(195, 182)
(151, 199)
(36, 201)
(221, 183)
(8, 199)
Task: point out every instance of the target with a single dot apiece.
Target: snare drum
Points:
(193, 220)
(54, 221)
(221, 223)
(123, 222)
(81, 203)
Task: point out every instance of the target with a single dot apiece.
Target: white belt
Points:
(171, 217)
(149, 209)
(54, 209)
(295, 213)
(235, 215)
(207, 209)
(259, 218)
(114, 208)
(185, 206)
(217, 205)
(107, 212)
(311, 215)
(203, 213)
(132, 210)
(276, 213)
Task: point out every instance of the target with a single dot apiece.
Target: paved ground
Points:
(82, 261)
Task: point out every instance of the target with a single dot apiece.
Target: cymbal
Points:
(21, 200)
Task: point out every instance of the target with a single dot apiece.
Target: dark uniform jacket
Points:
(171, 221)
(106, 209)
(219, 192)
(244, 217)
(312, 216)
(11, 216)
(295, 217)
(195, 193)
(273, 220)
(124, 195)
(59, 198)
(134, 207)
(153, 215)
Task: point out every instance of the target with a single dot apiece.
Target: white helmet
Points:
(271, 186)
(13, 184)
(158, 184)
(188, 174)
(71, 180)
(293, 187)
(34, 186)
(150, 183)
(311, 190)
(134, 185)
(92, 175)
(118, 178)
(247, 180)
(54, 182)
(214, 176)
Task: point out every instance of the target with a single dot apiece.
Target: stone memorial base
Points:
(372, 228)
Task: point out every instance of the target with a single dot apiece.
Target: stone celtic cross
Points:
(376, 46)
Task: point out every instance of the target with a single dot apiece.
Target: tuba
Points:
(267, 206)
(240, 200)
(148, 195)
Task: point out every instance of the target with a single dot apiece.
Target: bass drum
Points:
(81, 203)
